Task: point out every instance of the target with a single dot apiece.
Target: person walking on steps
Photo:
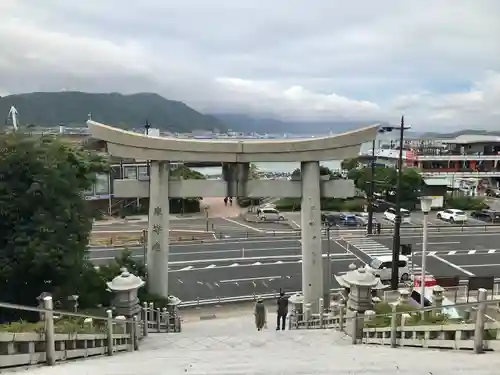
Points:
(282, 311)
(230, 201)
(260, 314)
(225, 201)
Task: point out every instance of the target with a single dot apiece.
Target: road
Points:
(450, 254)
(237, 266)
(224, 226)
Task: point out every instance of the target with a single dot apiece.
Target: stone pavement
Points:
(217, 208)
(231, 346)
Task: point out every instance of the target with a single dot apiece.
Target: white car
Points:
(390, 215)
(452, 215)
(270, 214)
(264, 206)
(382, 267)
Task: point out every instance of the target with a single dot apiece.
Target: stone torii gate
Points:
(236, 155)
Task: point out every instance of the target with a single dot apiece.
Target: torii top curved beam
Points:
(127, 144)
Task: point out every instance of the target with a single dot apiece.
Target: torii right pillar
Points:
(312, 257)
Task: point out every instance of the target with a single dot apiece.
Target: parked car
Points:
(489, 216)
(348, 219)
(264, 206)
(330, 219)
(452, 215)
(380, 205)
(270, 214)
(390, 215)
(382, 267)
(495, 193)
(362, 219)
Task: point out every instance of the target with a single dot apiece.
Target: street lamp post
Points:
(371, 193)
(425, 205)
(397, 221)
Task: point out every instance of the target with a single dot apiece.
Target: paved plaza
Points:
(232, 346)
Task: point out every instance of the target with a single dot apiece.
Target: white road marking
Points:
(186, 268)
(256, 264)
(211, 266)
(470, 252)
(234, 265)
(229, 281)
(481, 265)
(453, 265)
(492, 251)
(243, 225)
(440, 243)
(453, 252)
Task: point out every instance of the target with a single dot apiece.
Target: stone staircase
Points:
(232, 346)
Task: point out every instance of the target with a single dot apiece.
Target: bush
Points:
(382, 320)
(466, 203)
(247, 202)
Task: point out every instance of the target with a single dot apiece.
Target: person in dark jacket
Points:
(282, 311)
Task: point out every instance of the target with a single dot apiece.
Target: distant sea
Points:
(334, 165)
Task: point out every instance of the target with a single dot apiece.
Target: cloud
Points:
(438, 61)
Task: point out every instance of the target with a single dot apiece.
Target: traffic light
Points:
(406, 249)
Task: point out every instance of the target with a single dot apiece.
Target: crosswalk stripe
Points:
(373, 249)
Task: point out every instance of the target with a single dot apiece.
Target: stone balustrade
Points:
(118, 335)
(447, 336)
(21, 349)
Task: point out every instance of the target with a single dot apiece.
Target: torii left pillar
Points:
(158, 228)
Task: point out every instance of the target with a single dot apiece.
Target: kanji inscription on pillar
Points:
(157, 229)
(156, 246)
(157, 211)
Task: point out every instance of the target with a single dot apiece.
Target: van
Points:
(390, 215)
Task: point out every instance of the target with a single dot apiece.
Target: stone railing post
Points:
(480, 315)
(354, 328)
(136, 332)
(341, 317)
(109, 336)
(307, 314)
(165, 317)
(145, 317)
(132, 332)
(158, 320)
(50, 345)
(394, 326)
(321, 305)
(151, 312)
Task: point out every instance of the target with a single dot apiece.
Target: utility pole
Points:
(397, 221)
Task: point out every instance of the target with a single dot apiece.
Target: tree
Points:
(350, 164)
(45, 222)
(386, 182)
(323, 171)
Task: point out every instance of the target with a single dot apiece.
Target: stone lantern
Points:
(297, 306)
(360, 283)
(125, 286)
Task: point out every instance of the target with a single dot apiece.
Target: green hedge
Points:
(327, 204)
(466, 203)
(247, 202)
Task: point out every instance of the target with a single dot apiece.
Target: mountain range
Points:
(72, 108)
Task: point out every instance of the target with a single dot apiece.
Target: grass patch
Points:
(383, 319)
(62, 325)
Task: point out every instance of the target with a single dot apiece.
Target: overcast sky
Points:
(438, 61)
